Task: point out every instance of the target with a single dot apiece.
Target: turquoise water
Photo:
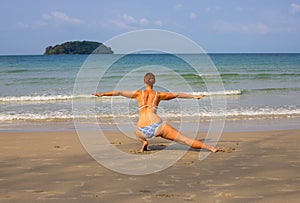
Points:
(40, 88)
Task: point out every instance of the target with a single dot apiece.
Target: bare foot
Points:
(214, 150)
(144, 147)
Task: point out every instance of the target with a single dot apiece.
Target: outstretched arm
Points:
(128, 94)
(169, 96)
(187, 96)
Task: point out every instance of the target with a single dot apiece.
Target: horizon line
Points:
(156, 53)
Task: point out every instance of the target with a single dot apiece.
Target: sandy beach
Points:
(81, 81)
(54, 167)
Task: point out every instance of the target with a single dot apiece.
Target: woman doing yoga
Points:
(149, 123)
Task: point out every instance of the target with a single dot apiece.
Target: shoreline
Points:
(229, 125)
(54, 167)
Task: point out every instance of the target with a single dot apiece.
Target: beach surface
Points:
(55, 167)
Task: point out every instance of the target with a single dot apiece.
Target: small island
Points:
(78, 47)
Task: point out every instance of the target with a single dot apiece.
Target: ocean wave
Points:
(279, 89)
(250, 113)
(35, 117)
(49, 98)
(251, 75)
(16, 71)
(42, 98)
(225, 92)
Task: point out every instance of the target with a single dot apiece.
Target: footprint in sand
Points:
(227, 149)
(116, 143)
(61, 148)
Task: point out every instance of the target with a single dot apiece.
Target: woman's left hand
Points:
(199, 96)
(98, 94)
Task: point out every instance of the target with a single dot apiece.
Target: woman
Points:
(149, 123)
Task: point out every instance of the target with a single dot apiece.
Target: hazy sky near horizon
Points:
(28, 27)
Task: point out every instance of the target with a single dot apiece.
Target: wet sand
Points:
(54, 167)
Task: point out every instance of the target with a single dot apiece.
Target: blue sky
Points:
(27, 27)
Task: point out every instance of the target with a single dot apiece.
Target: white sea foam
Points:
(225, 92)
(38, 117)
(42, 98)
(230, 114)
(51, 98)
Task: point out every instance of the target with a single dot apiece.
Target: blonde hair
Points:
(149, 79)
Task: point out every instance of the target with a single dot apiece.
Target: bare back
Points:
(148, 101)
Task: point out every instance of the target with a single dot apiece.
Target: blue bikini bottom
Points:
(150, 129)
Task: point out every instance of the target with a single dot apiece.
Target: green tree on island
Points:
(78, 47)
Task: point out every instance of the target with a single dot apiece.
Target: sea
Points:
(41, 90)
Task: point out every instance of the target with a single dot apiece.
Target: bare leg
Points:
(170, 133)
(142, 138)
